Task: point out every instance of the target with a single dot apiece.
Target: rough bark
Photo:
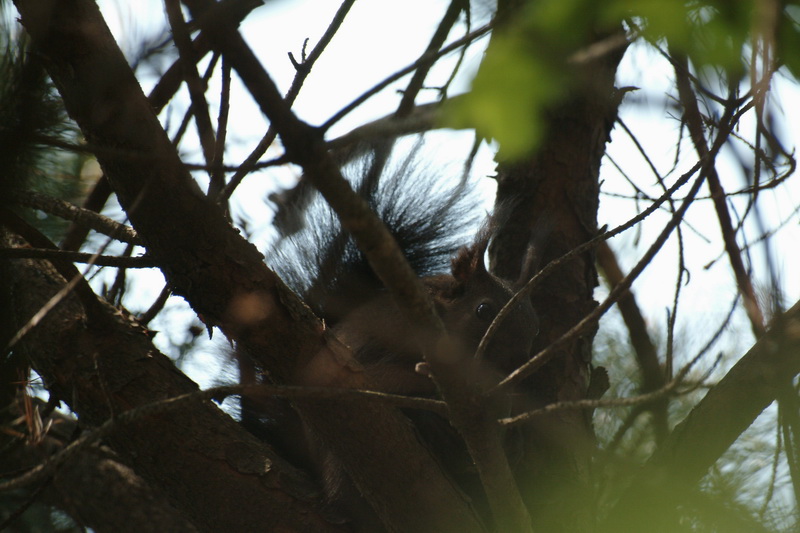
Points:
(212, 470)
(551, 196)
(92, 486)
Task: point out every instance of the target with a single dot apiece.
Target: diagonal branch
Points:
(694, 121)
(305, 146)
(185, 232)
(79, 215)
(303, 70)
(713, 425)
(643, 347)
(183, 42)
(429, 57)
(77, 257)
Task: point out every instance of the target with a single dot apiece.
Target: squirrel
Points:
(430, 222)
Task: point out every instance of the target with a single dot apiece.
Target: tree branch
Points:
(183, 42)
(77, 257)
(85, 217)
(302, 73)
(711, 428)
(694, 122)
(92, 486)
(646, 356)
(305, 146)
(234, 290)
(104, 373)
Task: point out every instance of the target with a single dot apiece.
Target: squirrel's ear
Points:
(469, 262)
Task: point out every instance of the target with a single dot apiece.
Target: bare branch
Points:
(77, 257)
(80, 215)
(250, 163)
(646, 355)
(712, 426)
(429, 57)
(455, 45)
(183, 42)
(695, 124)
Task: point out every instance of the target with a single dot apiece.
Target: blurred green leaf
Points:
(507, 97)
(788, 45)
(525, 70)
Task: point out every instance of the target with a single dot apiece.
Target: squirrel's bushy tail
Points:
(429, 215)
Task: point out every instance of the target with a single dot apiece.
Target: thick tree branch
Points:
(103, 371)
(305, 146)
(92, 486)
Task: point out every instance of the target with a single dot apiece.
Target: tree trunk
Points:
(550, 198)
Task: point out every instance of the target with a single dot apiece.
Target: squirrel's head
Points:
(470, 300)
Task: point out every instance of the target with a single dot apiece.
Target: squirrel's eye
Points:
(485, 311)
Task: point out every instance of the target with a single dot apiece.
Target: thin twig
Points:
(68, 211)
(117, 290)
(643, 346)
(366, 95)
(700, 353)
(78, 257)
(157, 306)
(187, 115)
(694, 122)
(429, 57)
(250, 162)
(197, 88)
(654, 374)
(640, 399)
(217, 182)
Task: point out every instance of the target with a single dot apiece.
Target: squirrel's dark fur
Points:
(430, 222)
